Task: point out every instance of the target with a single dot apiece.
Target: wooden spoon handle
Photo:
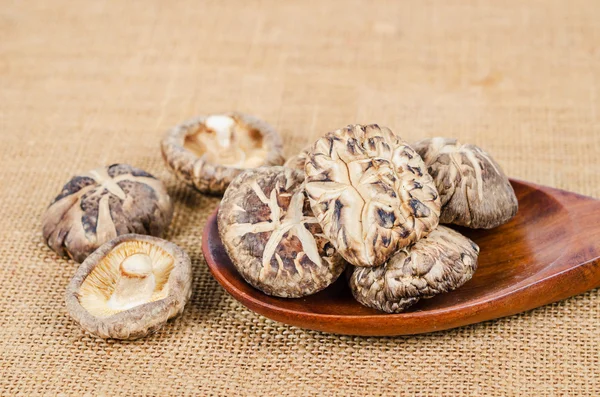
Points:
(581, 266)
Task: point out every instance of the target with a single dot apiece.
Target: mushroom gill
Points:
(224, 140)
(134, 273)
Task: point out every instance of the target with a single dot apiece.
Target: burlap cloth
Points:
(85, 84)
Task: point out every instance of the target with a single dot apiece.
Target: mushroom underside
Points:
(130, 287)
(224, 140)
(110, 289)
(208, 152)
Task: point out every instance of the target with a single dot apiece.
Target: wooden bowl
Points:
(548, 252)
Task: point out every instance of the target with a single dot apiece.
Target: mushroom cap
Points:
(272, 237)
(298, 161)
(97, 280)
(105, 203)
(198, 155)
(370, 192)
(440, 262)
(474, 190)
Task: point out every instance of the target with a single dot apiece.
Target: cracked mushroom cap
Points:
(105, 203)
(208, 152)
(370, 192)
(438, 263)
(130, 287)
(272, 237)
(298, 161)
(474, 190)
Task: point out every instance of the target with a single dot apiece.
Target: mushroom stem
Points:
(136, 283)
(223, 127)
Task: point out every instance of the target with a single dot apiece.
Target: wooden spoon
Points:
(548, 252)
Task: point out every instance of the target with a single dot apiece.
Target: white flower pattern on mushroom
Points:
(292, 222)
(273, 238)
(96, 207)
(474, 191)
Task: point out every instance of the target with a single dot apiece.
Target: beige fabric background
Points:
(85, 84)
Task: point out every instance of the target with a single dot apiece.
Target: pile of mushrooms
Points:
(362, 198)
(131, 282)
(358, 199)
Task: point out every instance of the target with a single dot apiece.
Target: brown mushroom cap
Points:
(130, 287)
(103, 204)
(474, 190)
(298, 161)
(440, 262)
(370, 192)
(208, 152)
(272, 237)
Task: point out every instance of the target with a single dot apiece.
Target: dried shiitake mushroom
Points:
(208, 152)
(130, 287)
(474, 190)
(440, 262)
(272, 237)
(298, 161)
(107, 202)
(370, 192)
